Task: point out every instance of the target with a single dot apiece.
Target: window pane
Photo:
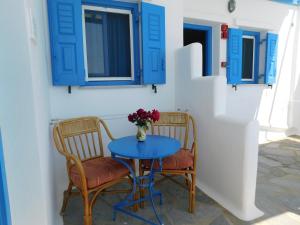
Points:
(118, 37)
(247, 65)
(94, 43)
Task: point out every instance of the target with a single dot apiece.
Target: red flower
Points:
(155, 115)
(143, 118)
(140, 112)
(130, 118)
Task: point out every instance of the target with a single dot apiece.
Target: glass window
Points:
(94, 43)
(248, 58)
(108, 44)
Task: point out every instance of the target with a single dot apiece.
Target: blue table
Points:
(155, 148)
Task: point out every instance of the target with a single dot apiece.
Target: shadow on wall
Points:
(274, 112)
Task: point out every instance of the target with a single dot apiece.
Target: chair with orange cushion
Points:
(80, 141)
(181, 126)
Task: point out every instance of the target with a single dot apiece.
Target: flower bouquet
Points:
(143, 119)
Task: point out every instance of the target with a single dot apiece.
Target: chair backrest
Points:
(179, 125)
(80, 137)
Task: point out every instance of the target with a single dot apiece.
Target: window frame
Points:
(109, 10)
(256, 54)
(136, 72)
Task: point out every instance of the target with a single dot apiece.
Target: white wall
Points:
(30, 100)
(114, 103)
(24, 116)
(227, 168)
(270, 107)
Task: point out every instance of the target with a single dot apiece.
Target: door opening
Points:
(200, 34)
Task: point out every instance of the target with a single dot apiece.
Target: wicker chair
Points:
(181, 126)
(89, 172)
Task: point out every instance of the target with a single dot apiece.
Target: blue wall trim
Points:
(208, 47)
(289, 2)
(5, 218)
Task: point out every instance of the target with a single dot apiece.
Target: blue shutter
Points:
(65, 24)
(271, 58)
(153, 34)
(234, 56)
(4, 209)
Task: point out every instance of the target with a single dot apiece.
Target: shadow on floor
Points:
(277, 195)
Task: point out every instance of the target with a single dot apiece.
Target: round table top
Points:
(154, 147)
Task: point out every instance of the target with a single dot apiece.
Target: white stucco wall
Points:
(24, 116)
(113, 104)
(29, 100)
(270, 107)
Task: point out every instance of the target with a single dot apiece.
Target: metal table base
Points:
(142, 182)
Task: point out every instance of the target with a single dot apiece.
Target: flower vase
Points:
(141, 133)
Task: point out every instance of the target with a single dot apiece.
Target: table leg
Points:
(129, 201)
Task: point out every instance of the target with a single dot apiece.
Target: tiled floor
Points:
(278, 196)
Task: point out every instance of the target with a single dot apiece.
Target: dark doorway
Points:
(200, 34)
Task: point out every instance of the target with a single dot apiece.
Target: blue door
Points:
(4, 204)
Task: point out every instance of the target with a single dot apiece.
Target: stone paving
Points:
(277, 195)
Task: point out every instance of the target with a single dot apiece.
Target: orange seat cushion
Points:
(183, 159)
(99, 171)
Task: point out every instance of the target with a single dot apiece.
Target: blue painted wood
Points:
(5, 218)
(271, 58)
(110, 4)
(289, 2)
(256, 35)
(208, 47)
(66, 37)
(234, 56)
(155, 147)
(133, 7)
(153, 38)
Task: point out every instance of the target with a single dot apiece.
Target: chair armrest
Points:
(106, 130)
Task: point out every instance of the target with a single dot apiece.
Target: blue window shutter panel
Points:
(153, 36)
(234, 56)
(271, 58)
(66, 37)
(5, 218)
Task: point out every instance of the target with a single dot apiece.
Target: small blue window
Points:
(243, 49)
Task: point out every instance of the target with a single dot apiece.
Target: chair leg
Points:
(192, 194)
(87, 218)
(142, 190)
(135, 198)
(187, 182)
(67, 195)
